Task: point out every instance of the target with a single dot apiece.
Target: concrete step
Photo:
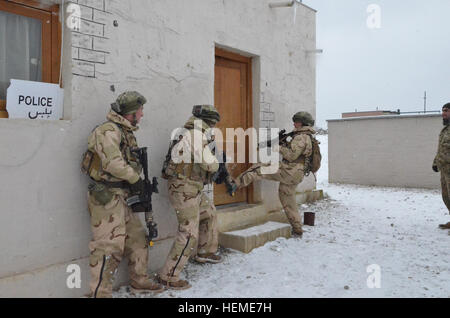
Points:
(247, 239)
(240, 216)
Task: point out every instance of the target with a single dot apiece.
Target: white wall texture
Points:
(395, 151)
(165, 50)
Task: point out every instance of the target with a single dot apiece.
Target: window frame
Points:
(51, 37)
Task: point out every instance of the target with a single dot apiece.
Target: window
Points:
(30, 44)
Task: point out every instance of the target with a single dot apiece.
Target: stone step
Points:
(247, 239)
(240, 216)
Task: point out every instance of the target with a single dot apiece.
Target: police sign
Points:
(34, 100)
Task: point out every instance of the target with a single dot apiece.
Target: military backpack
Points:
(313, 162)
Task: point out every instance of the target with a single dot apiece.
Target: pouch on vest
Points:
(101, 193)
(89, 162)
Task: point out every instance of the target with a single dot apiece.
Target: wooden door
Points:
(232, 98)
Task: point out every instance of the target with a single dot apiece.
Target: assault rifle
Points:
(143, 201)
(281, 139)
(223, 176)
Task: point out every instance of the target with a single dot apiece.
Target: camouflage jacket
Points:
(112, 142)
(296, 150)
(201, 163)
(442, 159)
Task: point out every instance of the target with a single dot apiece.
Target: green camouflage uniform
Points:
(290, 174)
(117, 232)
(442, 161)
(196, 214)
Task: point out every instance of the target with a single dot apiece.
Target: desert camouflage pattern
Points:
(196, 214)
(198, 172)
(117, 163)
(117, 232)
(442, 161)
(208, 238)
(290, 174)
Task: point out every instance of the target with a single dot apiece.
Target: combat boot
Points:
(444, 226)
(146, 286)
(178, 285)
(208, 258)
(297, 233)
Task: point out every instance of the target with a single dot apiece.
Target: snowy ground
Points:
(356, 226)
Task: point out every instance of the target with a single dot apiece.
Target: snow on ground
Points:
(356, 226)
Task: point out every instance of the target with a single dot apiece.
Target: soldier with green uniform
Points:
(291, 171)
(197, 221)
(441, 162)
(116, 174)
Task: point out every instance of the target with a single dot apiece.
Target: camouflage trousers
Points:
(117, 233)
(286, 191)
(197, 228)
(445, 185)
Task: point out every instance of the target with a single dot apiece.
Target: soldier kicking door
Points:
(232, 98)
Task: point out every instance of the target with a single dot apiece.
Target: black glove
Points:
(435, 168)
(137, 187)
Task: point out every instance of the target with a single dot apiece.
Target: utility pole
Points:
(425, 103)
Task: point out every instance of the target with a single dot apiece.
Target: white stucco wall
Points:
(165, 50)
(395, 151)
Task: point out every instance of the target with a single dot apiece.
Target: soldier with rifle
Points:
(197, 234)
(296, 154)
(114, 163)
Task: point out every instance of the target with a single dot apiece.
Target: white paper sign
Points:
(34, 100)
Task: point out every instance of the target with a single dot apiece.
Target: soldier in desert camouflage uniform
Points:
(197, 222)
(291, 171)
(115, 172)
(442, 160)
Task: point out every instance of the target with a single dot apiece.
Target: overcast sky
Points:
(390, 67)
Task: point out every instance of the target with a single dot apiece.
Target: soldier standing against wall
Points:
(115, 170)
(196, 214)
(291, 171)
(442, 160)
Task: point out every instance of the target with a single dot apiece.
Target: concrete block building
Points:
(250, 60)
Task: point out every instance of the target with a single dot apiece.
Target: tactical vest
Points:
(313, 161)
(188, 170)
(301, 158)
(91, 163)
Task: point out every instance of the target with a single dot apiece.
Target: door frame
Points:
(249, 102)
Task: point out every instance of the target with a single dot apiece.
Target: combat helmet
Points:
(128, 103)
(303, 117)
(208, 113)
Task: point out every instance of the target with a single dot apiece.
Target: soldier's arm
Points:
(445, 146)
(108, 148)
(298, 146)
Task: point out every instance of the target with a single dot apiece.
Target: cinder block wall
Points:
(395, 151)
